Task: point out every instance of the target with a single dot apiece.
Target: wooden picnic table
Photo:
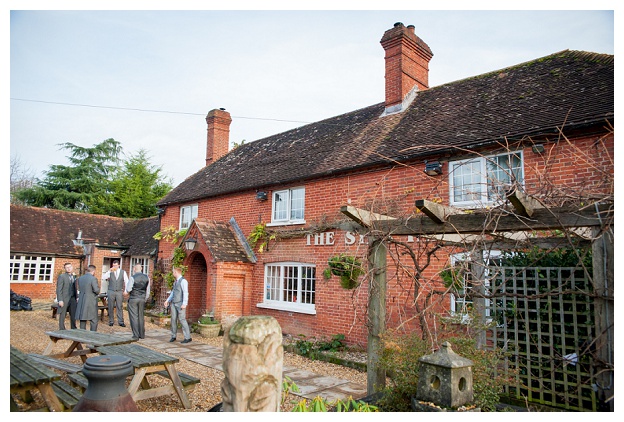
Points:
(83, 342)
(27, 375)
(147, 362)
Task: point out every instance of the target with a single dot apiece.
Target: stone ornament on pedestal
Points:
(445, 378)
(253, 357)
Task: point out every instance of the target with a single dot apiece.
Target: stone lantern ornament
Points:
(445, 379)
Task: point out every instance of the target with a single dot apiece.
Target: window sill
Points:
(310, 310)
(285, 223)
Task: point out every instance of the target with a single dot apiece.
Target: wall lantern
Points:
(433, 168)
(261, 196)
(189, 243)
(537, 148)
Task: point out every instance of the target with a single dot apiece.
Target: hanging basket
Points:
(348, 268)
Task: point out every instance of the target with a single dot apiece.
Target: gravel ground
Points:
(28, 334)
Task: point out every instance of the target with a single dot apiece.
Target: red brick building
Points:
(532, 120)
(43, 240)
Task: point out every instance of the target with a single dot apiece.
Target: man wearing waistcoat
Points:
(137, 292)
(117, 279)
(66, 296)
(179, 299)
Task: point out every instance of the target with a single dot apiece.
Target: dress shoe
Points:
(122, 325)
(110, 324)
(172, 339)
(186, 340)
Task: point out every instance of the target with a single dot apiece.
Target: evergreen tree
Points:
(98, 182)
(135, 189)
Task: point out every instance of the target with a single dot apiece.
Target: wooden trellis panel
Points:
(545, 318)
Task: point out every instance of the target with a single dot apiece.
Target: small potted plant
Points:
(162, 318)
(207, 326)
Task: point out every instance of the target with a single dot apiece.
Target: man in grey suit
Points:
(179, 300)
(66, 296)
(117, 279)
(87, 309)
(137, 292)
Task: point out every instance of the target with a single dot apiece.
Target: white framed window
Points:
(462, 298)
(288, 206)
(482, 180)
(188, 213)
(142, 261)
(290, 286)
(31, 269)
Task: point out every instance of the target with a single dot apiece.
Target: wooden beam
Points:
(496, 221)
(524, 204)
(437, 212)
(363, 217)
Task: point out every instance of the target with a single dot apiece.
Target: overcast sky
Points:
(272, 70)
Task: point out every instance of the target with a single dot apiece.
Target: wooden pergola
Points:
(503, 227)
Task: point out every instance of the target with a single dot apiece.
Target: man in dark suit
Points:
(87, 309)
(137, 292)
(66, 296)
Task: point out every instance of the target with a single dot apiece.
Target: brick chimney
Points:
(407, 66)
(218, 143)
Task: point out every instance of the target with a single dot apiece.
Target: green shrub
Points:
(400, 360)
(335, 344)
(310, 346)
(320, 404)
(304, 346)
(207, 319)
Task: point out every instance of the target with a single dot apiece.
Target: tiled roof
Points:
(570, 87)
(48, 231)
(221, 241)
(139, 234)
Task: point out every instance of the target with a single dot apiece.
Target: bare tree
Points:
(22, 177)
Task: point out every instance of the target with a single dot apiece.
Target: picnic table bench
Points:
(62, 365)
(28, 375)
(148, 362)
(83, 342)
(188, 381)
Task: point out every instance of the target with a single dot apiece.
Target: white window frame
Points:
(277, 295)
(188, 210)
(31, 269)
(482, 178)
(288, 218)
(463, 301)
(144, 261)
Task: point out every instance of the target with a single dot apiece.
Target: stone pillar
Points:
(253, 357)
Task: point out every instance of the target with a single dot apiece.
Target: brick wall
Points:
(46, 291)
(387, 191)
